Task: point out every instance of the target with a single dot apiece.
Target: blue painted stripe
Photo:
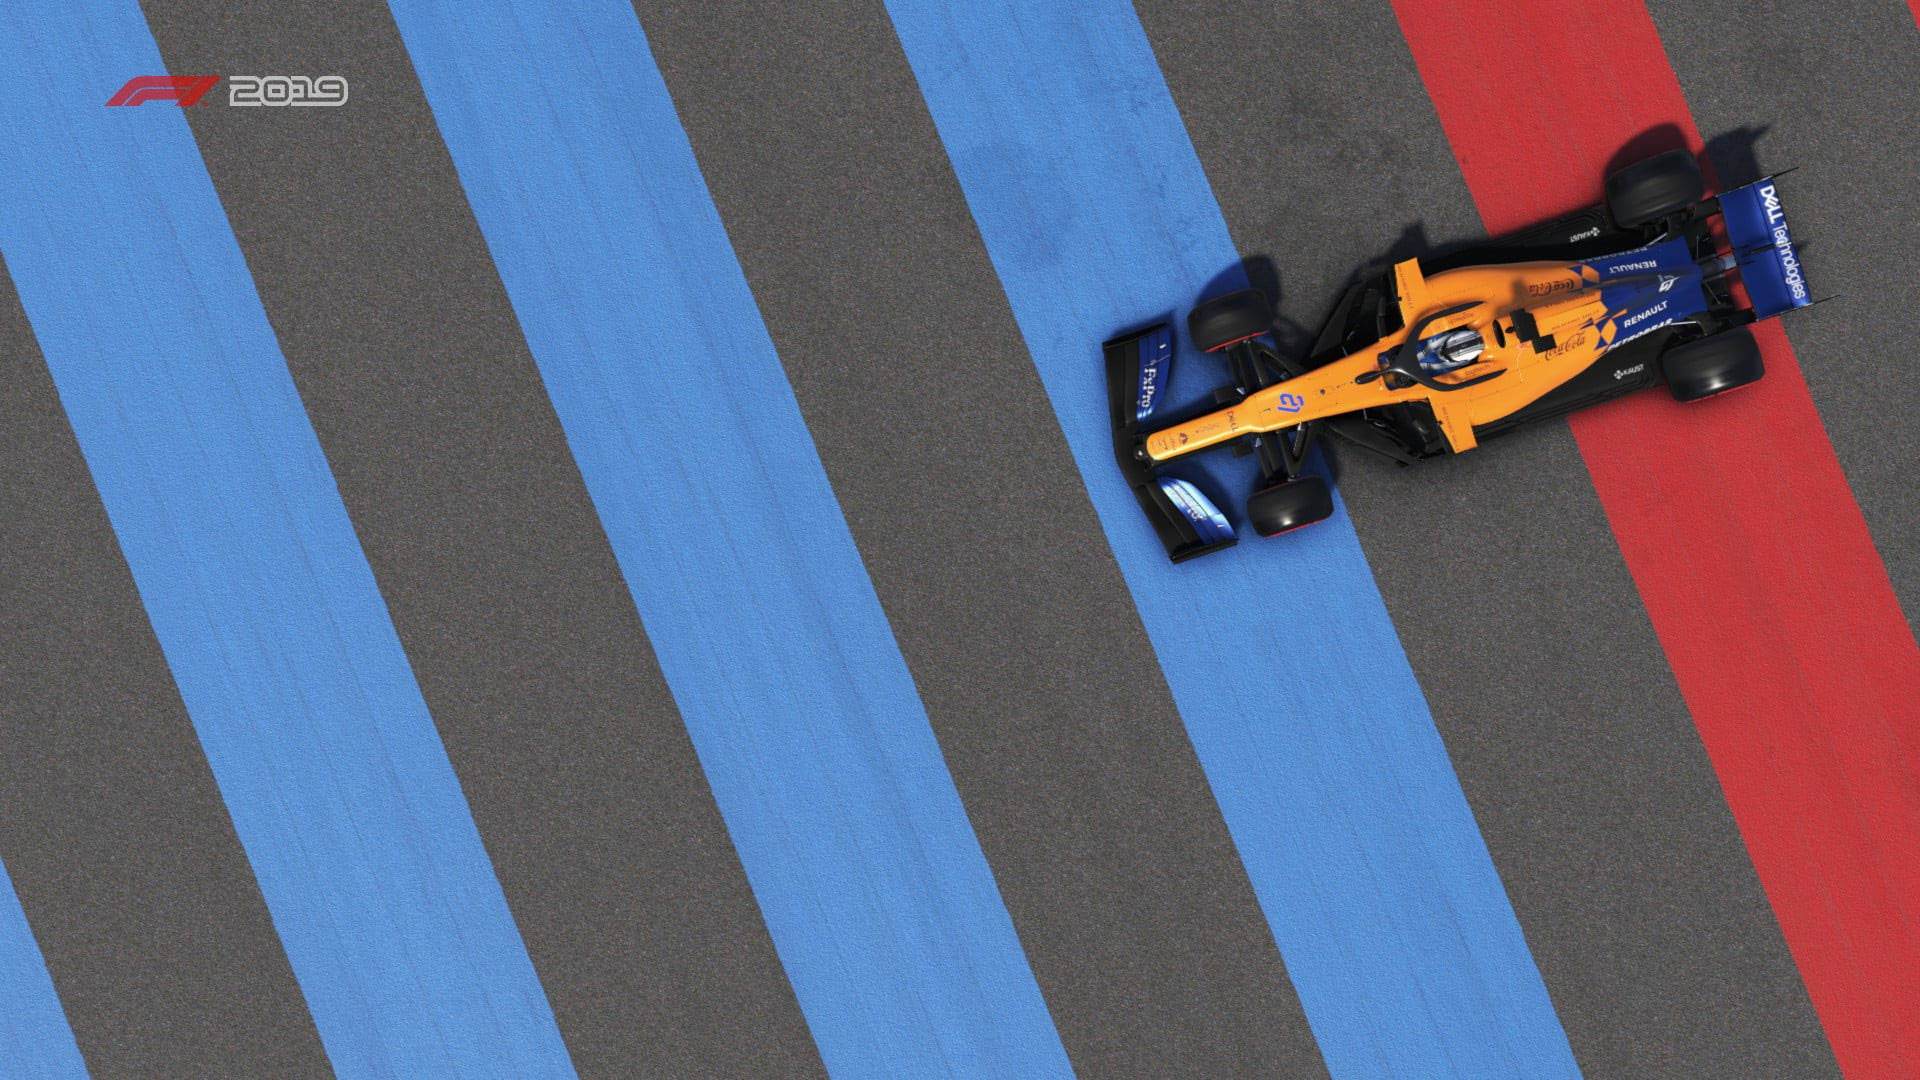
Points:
(1308, 720)
(767, 628)
(249, 568)
(34, 1037)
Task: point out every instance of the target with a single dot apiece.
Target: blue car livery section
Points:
(1314, 735)
(227, 514)
(679, 414)
(34, 1037)
(1769, 265)
(1646, 289)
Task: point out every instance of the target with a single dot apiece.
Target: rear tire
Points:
(1285, 507)
(1224, 320)
(1712, 365)
(1649, 190)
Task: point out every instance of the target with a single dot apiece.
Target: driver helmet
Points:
(1451, 349)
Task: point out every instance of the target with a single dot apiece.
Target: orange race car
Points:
(1438, 354)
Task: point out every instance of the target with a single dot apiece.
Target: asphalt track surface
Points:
(1572, 743)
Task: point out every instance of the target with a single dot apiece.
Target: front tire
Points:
(1713, 365)
(1225, 320)
(1649, 190)
(1295, 504)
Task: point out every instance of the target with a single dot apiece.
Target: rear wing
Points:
(1763, 249)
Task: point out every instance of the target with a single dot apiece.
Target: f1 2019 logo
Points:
(181, 90)
(242, 90)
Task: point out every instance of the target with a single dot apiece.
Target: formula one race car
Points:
(1438, 354)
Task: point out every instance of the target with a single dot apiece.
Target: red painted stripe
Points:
(1736, 522)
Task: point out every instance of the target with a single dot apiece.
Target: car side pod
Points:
(1138, 368)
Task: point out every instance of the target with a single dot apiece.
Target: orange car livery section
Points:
(1786, 638)
(1508, 375)
(1314, 735)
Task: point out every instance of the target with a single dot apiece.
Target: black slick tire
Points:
(1713, 365)
(1649, 190)
(1225, 320)
(1296, 504)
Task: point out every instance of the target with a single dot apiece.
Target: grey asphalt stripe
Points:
(506, 596)
(1061, 735)
(114, 833)
(1833, 93)
(1556, 702)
